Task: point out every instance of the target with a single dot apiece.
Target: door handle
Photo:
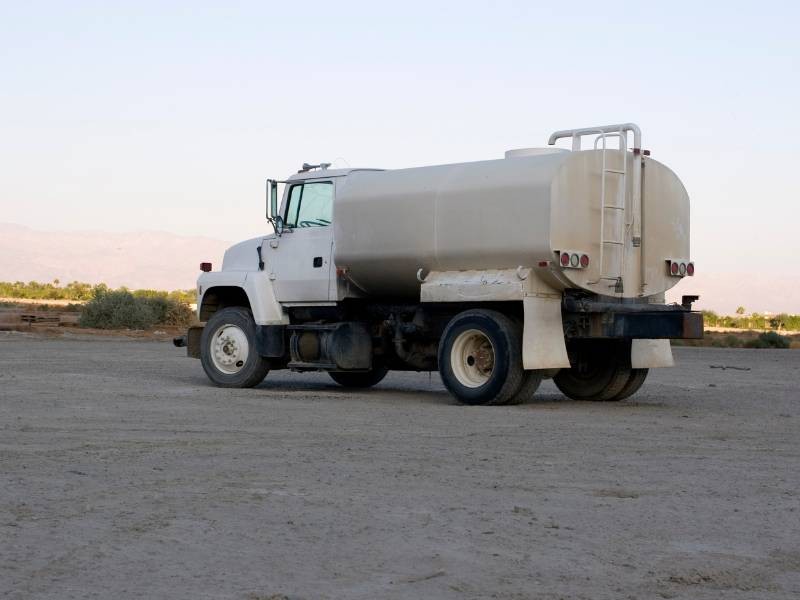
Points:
(317, 261)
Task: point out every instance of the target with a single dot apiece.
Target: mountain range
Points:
(138, 260)
(166, 261)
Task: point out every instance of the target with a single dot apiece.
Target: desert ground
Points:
(124, 474)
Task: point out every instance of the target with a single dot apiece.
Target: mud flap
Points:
(651, 354)
(543, 344)
(193, 341)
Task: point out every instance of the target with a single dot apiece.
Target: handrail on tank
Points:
(576, 134)
(636, 201)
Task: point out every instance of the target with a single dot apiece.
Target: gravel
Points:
(124, 474)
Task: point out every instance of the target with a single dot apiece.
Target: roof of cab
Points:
(325, 173)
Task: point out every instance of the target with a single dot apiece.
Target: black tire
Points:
(634, 383)
(531, 381)
(599, 372)
(502, 376)
(254, 367)
(364, 379)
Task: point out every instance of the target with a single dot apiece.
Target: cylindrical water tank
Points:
(516, 211)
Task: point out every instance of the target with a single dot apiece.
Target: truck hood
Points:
(243, 256)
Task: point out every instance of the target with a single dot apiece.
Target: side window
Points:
(310, 204)
(295, 193)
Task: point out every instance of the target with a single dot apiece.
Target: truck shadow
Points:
(319, 387)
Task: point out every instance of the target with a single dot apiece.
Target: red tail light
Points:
(573, 259)
(205, 267)
(680, 268)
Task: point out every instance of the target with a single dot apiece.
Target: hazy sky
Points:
(169, 116)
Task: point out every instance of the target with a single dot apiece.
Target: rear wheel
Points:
(600, 371)
(480, 357)
(634, 383)
(530, 383)
(363, 379)
(228, 349)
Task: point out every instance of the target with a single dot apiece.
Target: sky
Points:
(169, 116)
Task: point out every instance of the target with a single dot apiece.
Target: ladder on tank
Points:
(617, 209)
(617, 212)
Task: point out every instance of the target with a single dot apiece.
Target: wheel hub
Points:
(229, 349)
(472, 358)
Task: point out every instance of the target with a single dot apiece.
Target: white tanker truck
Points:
(546, 263)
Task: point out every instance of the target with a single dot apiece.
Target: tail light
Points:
(573, 259)
(680, 267)
(205, 267)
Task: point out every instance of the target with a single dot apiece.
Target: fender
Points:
(543, 345)
(257, 287)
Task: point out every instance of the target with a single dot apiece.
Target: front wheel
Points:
(228, 349)
(480, 357)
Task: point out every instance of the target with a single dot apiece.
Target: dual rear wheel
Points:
(480, 361)
(600, 371)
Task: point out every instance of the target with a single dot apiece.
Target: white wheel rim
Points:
(472, 358)
(229, 349)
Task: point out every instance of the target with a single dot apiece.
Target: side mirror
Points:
(272, 206)
(273, 198)
(277, 224)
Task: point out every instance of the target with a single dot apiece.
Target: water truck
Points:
(546, 263)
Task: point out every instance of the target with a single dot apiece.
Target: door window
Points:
(310, 204)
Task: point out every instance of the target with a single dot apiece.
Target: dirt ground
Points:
(124, 474)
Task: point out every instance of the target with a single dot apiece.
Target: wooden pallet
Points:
(40, 320)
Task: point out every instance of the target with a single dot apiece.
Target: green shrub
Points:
(170, 311)
(77, 291)
(755, 343)
(122, 310)
(728, 341)
(179, 314)
(731, 341)
(769, 340)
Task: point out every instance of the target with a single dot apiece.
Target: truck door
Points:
(299, 261)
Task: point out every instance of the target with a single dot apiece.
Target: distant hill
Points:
(145, 259)
(159, 260)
